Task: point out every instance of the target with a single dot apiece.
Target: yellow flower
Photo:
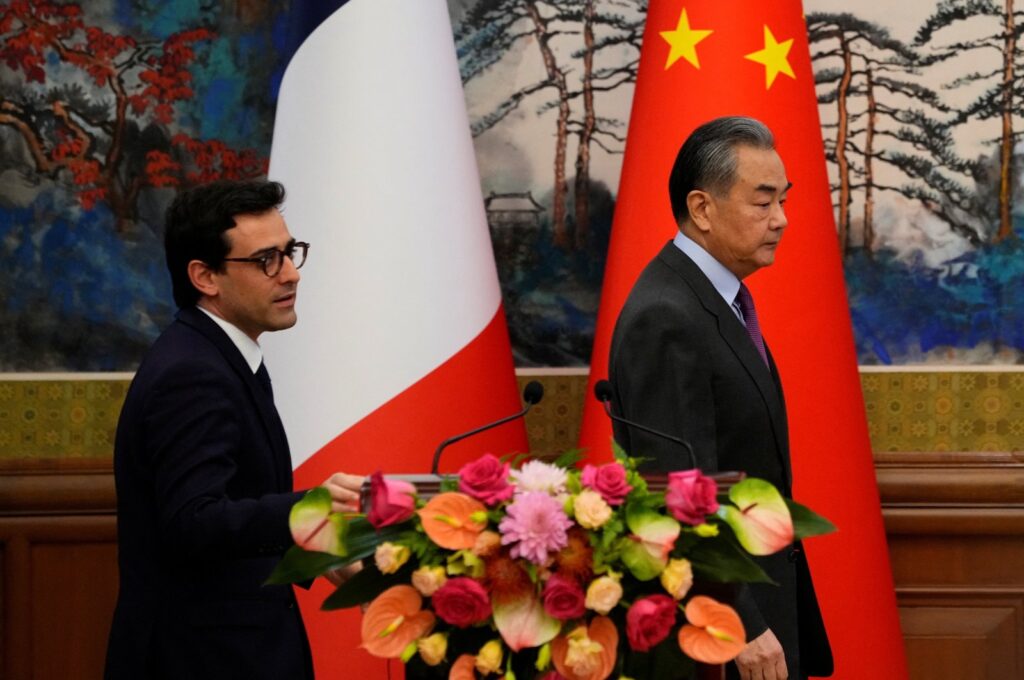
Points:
(433, 648)
(677, 578)
(428, 579)
(488, 659)
(390, 557)
(604, 593)
(583, 656)
(591, 510)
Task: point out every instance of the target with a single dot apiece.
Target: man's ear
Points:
(698, 203)
(203, 278)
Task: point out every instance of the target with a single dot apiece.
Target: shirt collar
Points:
(724, 281)
(249, 348)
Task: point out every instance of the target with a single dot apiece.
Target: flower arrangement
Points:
(546, 570)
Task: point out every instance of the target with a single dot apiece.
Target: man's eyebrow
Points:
(771, 188)
(264, 251)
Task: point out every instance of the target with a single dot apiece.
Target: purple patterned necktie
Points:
(746, 303)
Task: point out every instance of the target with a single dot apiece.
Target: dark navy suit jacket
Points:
(681, 362)
(204, 489)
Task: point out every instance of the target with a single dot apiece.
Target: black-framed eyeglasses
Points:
(272, 260)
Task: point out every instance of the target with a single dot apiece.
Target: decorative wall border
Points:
(67, 417)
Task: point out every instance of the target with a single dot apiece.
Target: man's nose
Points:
(778, 217)
(289, 272)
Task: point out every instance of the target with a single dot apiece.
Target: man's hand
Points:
(344, 490)
(763, 659)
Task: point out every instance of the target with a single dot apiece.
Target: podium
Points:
(429, 485)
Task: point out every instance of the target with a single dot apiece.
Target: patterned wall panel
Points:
(61, 418)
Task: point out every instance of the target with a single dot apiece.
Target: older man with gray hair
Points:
(688, 358)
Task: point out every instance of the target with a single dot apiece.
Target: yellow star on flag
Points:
(683, 41)
(773, 56)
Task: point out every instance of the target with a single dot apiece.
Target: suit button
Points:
(794, 555)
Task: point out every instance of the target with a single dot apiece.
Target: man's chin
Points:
(285, 322)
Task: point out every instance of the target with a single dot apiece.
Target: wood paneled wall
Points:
(58, 542)
(955, 524)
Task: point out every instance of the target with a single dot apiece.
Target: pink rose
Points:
(649, 621)
(462, 602)
(563, 598)
(608, 480)
(391, 501)
(690, 496)
(486, 479)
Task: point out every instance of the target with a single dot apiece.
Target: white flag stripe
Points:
(371, 142)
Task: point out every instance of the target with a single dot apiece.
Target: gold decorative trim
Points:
(55, 418)
(59, 418)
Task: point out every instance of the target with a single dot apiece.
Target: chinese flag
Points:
(702, 59)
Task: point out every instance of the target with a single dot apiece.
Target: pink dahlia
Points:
(535, 525)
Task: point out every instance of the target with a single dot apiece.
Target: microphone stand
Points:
(602, 391)
(532, 394)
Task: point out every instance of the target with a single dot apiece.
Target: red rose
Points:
(391, 501)
(563, 598)
(486, 479)
(690, 496)
(649, 621)
(462, 602)
(608, 480)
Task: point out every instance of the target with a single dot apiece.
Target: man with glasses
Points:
(201, 460)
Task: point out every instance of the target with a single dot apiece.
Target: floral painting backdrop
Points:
(107, 107)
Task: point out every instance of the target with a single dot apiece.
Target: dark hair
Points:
(707, 159)
(197, 219)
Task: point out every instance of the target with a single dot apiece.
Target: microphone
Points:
(532, 394)
(603, 393)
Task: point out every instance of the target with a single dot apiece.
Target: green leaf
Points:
(515, 460)
(364, 586)
(299, 565)
(722, 560)
(569, 458)
(808, 523)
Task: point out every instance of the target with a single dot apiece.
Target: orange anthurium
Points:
(587, 653)
(714, 633)
(394, 620)
(453, 520)
(463, 667)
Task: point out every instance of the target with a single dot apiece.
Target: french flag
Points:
(401, 340)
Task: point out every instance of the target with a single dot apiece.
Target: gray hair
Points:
(707, 159)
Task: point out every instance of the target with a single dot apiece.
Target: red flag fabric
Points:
(401, 340)
(702, 59)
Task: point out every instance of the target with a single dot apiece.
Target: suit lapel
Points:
(263, 402)
(736, 338)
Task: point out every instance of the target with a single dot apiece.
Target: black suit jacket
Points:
(204, 489)
(682, 362)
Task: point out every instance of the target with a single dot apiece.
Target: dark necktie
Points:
(263, 375)
(746, 303)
